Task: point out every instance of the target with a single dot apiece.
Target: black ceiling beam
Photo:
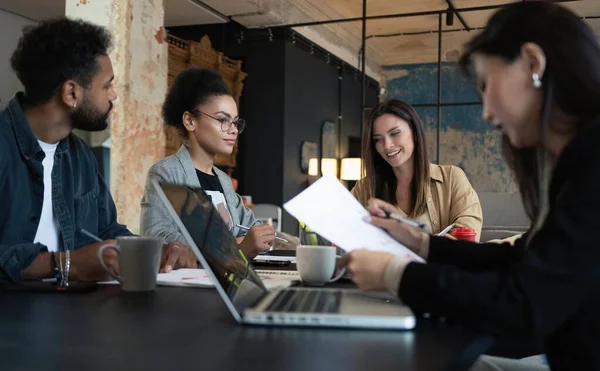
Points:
(387, 16)
(363, 58)
(419, 33)
(457, 13)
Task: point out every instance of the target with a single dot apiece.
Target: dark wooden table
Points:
(191, 329)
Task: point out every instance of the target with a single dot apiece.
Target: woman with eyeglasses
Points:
(537, 68)
(201, 106)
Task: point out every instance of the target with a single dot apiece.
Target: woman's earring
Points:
(537, 83)
(75, 105)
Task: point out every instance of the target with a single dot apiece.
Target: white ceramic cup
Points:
(316, 264)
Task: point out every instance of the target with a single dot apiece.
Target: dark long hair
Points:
(380, 178)
(571, 80)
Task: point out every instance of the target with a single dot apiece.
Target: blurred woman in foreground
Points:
(537, 67)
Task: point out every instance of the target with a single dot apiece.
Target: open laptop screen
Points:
(216, 244)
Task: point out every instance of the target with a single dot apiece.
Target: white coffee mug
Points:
(316, 264)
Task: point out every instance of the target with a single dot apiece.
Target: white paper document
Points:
(185, 277)
(199, 278)
(330, 210)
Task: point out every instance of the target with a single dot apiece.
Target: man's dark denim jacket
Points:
(80, 198)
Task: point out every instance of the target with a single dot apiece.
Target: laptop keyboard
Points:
(306, 301)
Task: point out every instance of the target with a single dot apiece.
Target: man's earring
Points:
(537, 83)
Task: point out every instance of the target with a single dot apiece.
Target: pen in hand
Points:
(446, 230)
(389, 215)
(91, 235)
(277, 238)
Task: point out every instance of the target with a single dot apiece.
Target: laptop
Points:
(244, 292)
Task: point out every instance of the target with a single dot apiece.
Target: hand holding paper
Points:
(330, 210)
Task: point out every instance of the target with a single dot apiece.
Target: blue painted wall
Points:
(466, 139)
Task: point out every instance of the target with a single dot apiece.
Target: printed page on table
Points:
(330, 210)
(199, 278)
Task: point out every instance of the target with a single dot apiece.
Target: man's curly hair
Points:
(57, 50)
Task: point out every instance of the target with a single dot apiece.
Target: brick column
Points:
(139, 59)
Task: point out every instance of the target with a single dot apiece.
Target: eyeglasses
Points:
(225, 122)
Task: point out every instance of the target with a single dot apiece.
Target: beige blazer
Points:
(451, 199)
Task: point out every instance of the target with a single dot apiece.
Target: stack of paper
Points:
(330, 210)
(199, 278)
(274, 274)
(185, 277)
(275, 258)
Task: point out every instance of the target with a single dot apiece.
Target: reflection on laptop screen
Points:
(216, 244)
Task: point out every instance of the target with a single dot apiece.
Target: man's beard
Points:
(88, 118)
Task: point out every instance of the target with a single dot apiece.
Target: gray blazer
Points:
(179, 169)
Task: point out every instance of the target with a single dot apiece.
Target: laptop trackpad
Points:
(372, 304)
